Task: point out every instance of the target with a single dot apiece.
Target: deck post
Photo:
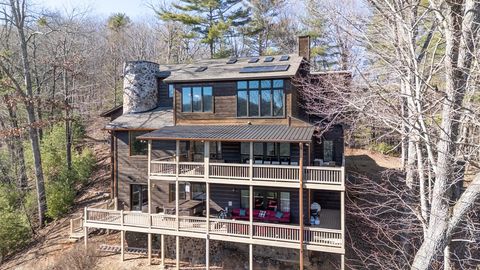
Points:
(207, 202)
(177, 186)
(342, 225)
(301, 215)
(149, 180)
(162, 251)
(85, 228)
(177, 252)
(149, 249)
(122, 240)
(250, 256)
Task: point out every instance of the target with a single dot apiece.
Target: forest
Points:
(414, 95)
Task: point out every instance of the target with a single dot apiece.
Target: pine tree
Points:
(211, 20)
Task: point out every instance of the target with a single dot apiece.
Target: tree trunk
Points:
(18, 13)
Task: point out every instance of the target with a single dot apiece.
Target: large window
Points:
(267, 153)
(182, 195)
(139, 197)
(197, 99)
(266, 200)
(137, 147)
(263, 98)
(327, 151)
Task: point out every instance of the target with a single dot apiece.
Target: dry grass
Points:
(76, 258)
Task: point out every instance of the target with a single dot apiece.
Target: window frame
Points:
(265, 156)
(143, 201)
(202, 99)
(259, 89)
(172, 86)
(130, 140)
(171, 192)
(264, 194)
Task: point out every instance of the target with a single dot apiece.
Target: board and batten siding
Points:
(134, 170)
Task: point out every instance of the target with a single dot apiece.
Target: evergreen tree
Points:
(210, 19)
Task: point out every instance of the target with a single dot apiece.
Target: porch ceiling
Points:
(236, 133)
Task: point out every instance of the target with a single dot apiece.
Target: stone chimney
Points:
(304, 47)
(140, 86)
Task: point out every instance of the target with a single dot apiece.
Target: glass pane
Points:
(207, 99)
(272, 201)
(170, 90)
(327, 151)
(285, 149)
(278, 102)
(253, 103)
(277, 83)
(245, 148)
(253, 84)
(197, 99)
(266, 109)
(136, 198)
(271, 149)
(244, 203)
(242, 103)
(285, 201)
(144, 195)
(186, 99)
(137, 147)
(258, 200)
(242, 85)
(266, 84)
(258, 149)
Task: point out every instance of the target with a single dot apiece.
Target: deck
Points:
(314, 177)
(319, 238)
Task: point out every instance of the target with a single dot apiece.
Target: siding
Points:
(163, 99)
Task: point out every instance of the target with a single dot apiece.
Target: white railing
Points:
(191, 169)
(76, 225)
(275, 172)
(323, 237)
(229, 170)
(238, 171)
(230, 227)
(324, 175)
(167, 168)
(128, 220)
(276, 232)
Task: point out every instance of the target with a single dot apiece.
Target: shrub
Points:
(83, 164)
(60, 196)
(76, 259)
(383, 148)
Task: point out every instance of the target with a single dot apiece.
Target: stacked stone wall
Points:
(140, 86)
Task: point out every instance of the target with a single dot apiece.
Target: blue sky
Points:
(133, 8)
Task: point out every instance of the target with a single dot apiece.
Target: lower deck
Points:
(317, 238)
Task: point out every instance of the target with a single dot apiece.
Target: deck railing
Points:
(132, 221)
(238, 171)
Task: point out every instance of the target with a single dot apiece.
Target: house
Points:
(222, 150)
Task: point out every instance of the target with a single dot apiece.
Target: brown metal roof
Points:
(237, 133)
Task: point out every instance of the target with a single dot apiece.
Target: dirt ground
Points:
(52, 242)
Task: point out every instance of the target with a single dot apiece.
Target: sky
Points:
(135, 9)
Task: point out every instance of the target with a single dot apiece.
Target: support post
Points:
(122, 247)
(342, 225)
(149, 249)
(207, 202)
(250, 206)
(250, 256)
(85, 229)
(177, 186)
(177, 252)
(162, 251)
(301, 214)
(149, 180)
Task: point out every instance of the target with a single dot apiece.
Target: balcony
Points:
(279, 235)
(314, 177)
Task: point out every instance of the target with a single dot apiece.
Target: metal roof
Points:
(219, 70)
(150, 120)
(237, 133)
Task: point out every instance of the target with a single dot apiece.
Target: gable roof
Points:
(219, 70)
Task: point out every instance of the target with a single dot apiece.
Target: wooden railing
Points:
(131, 221)
(76, 225)
(237, 171)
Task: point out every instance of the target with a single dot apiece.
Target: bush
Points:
(83, 164)
(76, 259)
(383, 148)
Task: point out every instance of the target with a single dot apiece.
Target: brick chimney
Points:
(304, 47)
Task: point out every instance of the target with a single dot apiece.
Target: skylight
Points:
(253, 60)
(284, 58)
(260, 69)
(201, 69)
(269, 59)
(232, 60)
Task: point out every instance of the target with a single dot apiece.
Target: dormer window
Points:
(197, 99)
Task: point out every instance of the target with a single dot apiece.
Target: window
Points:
(182, 195)
(171, 90)
(327, 151)
(137, 147)
(266, 200)
(263, 98)
(266, 153)
(198, 191)
(197, 99)
(138, 197)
